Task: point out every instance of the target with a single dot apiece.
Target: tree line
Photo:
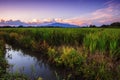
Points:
(112, 25)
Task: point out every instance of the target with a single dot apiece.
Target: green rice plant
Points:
(25, 41)
(37, 35)
(70, 57)
(113, 44)
(52, 53)
(90, 42)
(102, 42)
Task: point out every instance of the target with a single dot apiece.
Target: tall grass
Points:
(90, 52)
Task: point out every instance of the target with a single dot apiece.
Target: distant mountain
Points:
(57, 24)
(18, 23)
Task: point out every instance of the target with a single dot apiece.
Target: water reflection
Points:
(32, 66)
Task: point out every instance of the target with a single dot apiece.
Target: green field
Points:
(92, 53)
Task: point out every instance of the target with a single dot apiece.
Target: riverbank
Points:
(3, 63)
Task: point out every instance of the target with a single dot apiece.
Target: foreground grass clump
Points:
(92, 54)
(88, 66)
(3, 63)
(66, 56)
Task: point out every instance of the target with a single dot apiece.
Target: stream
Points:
(29, 64)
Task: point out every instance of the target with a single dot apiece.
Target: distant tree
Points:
(7, 26)
(92, 26)
(30, 26)
(20, 26)
(105, 26)
(115, 24)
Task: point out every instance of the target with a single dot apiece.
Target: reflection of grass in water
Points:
(33, 72)
(19, 74)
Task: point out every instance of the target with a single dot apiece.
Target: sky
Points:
(78, 12)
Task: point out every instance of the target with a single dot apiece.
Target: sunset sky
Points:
(78, 12)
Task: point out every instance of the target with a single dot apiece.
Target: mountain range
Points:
(44, 24)
(57, 24)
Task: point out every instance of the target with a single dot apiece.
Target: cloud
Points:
(34, 22)
(106, 15)
(109, 2)
(12, 23)
(110, 13)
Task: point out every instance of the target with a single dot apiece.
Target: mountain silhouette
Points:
(57, 24)
(44, 24)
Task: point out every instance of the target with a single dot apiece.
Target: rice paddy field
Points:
(87, 53)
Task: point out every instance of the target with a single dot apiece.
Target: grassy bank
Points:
(90, 53)
(2, 61)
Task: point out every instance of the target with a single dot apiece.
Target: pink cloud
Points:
(109, 14)
(101, 16)
(73, 21)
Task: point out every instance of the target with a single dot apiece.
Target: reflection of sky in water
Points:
(30, 64)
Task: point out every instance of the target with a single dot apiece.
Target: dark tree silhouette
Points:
(92, 26)
(20, 26)
(115, 24)
(105, 26)
(112, 25)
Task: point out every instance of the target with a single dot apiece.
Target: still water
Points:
(29, 64)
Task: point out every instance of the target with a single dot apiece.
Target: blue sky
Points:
(79, 12)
